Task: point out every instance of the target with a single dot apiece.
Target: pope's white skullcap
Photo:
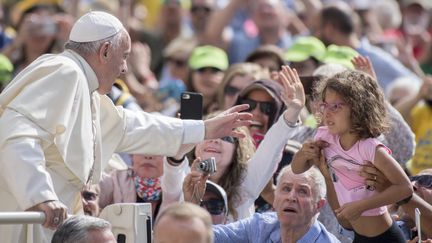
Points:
(94, 26)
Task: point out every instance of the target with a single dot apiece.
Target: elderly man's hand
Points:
(55, 213)
(373, 177)
(223, 124)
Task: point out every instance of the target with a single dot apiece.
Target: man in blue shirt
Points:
(335, 25)
(298, 200)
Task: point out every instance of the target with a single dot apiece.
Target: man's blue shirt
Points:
(265, 227)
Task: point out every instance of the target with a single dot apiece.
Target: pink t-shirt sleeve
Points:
(370, 146)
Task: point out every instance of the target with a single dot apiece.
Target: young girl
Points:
(354, 115)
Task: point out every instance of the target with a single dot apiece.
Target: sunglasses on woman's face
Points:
(89, 196)
(231, 90)
(267, 108)
(423, 180)
(229, 139)
(197, 8)
(214, 206)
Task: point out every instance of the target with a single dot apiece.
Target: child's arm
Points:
(400, 187)
(331, 193)
(305, 157)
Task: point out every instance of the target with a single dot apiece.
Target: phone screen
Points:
(191, 106)
(418, 225)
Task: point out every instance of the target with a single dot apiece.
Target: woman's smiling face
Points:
(221, 150)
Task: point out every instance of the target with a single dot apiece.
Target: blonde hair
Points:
(235, 70)
(187, 211)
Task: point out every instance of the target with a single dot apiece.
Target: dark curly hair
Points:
(364, 97)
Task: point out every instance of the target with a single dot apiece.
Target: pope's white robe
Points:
(47, 137)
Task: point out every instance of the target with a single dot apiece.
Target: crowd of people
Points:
(316, 113)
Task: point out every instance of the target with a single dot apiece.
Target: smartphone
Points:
(191, 106)
(417, 222)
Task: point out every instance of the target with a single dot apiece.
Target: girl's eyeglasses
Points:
(330, 107)
(267, 108)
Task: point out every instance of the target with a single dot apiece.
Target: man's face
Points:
(172, 230)
(295, 202)
(200, 12)
(267, 14)
(90, 200)
(215, 206)
(115, 65)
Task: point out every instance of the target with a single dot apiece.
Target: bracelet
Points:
(176, 161)
(293, 124)
(404, 201)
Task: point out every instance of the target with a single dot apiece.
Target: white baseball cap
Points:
(94, 26)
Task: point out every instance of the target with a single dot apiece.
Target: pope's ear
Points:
(104, 51)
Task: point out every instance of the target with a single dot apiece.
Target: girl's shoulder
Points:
(369, 146)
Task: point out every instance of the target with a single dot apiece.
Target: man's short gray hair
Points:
(314, 176)
(76, 229)
(87, 48)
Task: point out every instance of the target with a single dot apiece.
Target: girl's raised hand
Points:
(293, 94)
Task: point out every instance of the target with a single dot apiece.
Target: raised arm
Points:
(218, 21)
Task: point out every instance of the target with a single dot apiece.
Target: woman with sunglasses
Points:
(242, 175)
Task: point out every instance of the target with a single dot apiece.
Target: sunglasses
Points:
(89, 196)
(212, 70)
(423, 180)
(229, 139)
(330, 107)
(177, 62)
(231, 90)
(214, 207)
(267, 108)
(203, 9)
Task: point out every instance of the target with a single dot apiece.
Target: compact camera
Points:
(207, 166)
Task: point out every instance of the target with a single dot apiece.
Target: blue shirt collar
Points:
(311, 235)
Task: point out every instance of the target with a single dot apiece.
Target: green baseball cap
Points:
(208, 56)
(6, 69)
(304, 48)
(340, 55)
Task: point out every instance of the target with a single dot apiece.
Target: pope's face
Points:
(115, 64)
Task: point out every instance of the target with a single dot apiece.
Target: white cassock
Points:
(53, 125)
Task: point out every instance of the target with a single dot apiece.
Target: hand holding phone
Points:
(418, 225)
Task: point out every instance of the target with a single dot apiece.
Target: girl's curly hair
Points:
(365, 98)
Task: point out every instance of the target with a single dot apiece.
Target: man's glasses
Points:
(89, 196)
(231, 90)
(267, 108)
(212, 70)
(177, 62)
(214, 206)
(423, 180)
(204, 9)
(330, 107)
(229, 139)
